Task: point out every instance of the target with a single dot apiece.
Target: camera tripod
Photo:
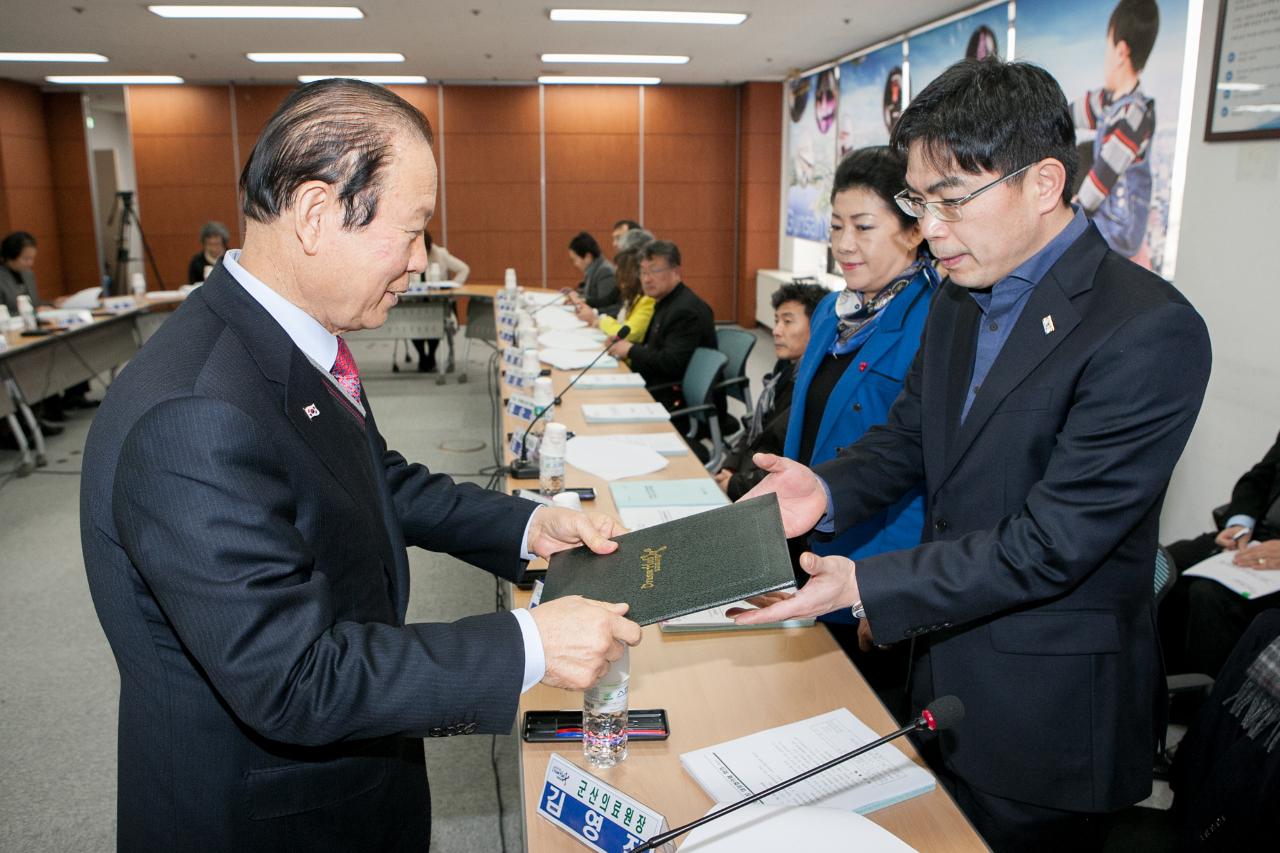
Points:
(128, 216)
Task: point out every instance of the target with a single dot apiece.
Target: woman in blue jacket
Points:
(862, 343)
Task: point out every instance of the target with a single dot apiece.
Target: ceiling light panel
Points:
(113, 79)
(323, 13)
(325, 57)
(580, 80)
(381, 79)
(620, 58)
(646, 16)
(52, 57)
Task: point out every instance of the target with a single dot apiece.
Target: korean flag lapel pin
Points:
(312, 412)
(1047, 322)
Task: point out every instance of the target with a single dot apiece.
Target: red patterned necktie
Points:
(345, 371)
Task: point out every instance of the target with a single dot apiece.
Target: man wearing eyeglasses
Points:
(1055, 387)
(681, 323)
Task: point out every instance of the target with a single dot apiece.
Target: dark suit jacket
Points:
(599, 287)
(681, 323)
(1031, 594)
(247, 562)
(770, 440)
(1257, 494)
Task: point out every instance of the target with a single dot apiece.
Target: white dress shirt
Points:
(321, 348)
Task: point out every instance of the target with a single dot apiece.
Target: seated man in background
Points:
(599, 287)
(681, 323)
(17, 270)
(620, 228)
(215, 239)
(18, 278)
(1200, 619)
(793, 305)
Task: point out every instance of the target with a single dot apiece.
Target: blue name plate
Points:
(596, 814)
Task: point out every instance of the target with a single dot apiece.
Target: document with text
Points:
(738, 768)
(1250, 583)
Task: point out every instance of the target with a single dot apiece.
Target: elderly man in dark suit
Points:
(244, 526)
(1055, 387)
(681, 323)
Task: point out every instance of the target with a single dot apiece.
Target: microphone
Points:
(524, 470)
(557, 300)
(943, 713)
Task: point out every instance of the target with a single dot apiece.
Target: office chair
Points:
(736, 344)
(696, 388)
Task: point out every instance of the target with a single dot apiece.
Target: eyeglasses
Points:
(644, 272)
(947, 210)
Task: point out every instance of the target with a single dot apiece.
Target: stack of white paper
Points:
(666, 443)
(573, 339)
(610, 380)
(640, 517)
(758, 828)
(611, 460)
(729, 771)
(717, 619)
(624, 413)
(574, 359)
(554, 318)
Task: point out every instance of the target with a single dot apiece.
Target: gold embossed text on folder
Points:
(682, 566)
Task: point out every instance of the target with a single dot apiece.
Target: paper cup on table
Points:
(509, 278)
(568, 500)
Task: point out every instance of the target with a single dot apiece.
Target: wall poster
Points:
(1120, 63)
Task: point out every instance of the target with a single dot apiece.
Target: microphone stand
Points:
(923, 722)
(522, 469)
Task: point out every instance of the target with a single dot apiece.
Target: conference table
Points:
(35, 367)
(713, 686)
(424, 313)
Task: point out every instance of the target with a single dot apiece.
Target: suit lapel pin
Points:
(312, 412)
(862, 366)
(1047, 322)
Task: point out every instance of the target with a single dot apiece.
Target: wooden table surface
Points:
(714, 687)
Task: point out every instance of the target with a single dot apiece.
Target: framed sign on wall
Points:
(1244, 102)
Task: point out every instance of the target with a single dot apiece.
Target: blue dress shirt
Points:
(1002, 305)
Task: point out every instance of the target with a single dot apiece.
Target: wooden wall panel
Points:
(169, 126)
(27, 195)
(73, 198)
(593, 169)
(690, 145)
(493, 180)
(761, 180)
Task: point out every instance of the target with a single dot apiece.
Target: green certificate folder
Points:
(682, 566)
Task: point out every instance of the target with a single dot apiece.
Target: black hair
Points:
(426, 239)
(630, 223)
(339, 131)
(1136, 23)
(975, 41)
(879, 168)
(991, 116)
(584, 244)
(808, 295)
(664, 249)
(215, 229)
(14, 243)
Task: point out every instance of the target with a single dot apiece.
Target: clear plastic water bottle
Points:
(551, 460)
(27, 312)
(543, 401)
(604, 716)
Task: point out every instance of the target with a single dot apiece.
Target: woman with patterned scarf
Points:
(862, 343)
